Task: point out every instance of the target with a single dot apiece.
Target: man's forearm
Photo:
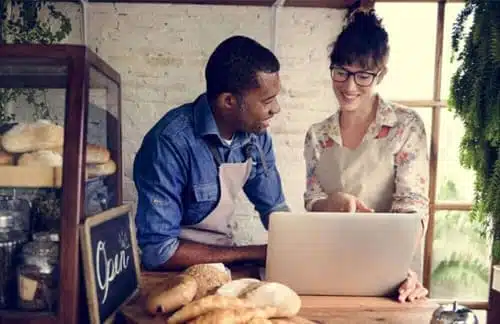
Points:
(189, 253)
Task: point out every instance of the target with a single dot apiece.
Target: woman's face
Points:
(354, 86)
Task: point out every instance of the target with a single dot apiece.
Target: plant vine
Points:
(29, 22)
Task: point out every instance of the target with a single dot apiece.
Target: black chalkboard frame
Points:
(88, 264)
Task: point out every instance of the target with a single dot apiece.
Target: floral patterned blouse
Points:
(405, 130)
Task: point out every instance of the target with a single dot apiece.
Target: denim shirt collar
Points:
(205, 125)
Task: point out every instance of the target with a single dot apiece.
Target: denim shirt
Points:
(176, 177)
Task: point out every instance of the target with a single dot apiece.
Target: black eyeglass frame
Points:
(354, 74)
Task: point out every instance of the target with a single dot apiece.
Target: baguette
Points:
(235, 316)
(172, 295)
(28, 137)
(205, 305)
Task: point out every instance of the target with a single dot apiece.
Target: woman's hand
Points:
(341, 202)
(412, 289)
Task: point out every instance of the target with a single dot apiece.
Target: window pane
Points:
(454, 182)
(460, 258)
(451, 12)
(412, 43)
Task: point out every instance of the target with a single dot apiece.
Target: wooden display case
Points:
(82, 96)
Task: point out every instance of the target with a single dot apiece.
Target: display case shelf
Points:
(82, 101)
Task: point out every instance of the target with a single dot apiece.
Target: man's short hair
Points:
(234, 64)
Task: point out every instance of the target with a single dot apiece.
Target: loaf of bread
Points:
(97, 170)
(28, 137)
(95, 154)
(236, 288)
(273, 294)
(208, 276)
(206, 305)
(42, 158)
(5, 158)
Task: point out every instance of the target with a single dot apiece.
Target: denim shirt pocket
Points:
(204, 199)
(206, 192)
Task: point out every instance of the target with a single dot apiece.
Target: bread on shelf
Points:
(29, 137)
(40, 158)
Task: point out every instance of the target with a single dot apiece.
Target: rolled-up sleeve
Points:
(264, 189)
(412, 171)
(159, 178)
(314, 191)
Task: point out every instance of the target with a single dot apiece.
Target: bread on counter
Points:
(218, 299)
(28, 137)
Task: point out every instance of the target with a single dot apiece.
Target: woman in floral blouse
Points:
(371, 155)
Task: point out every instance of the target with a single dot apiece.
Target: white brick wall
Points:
(161, 50)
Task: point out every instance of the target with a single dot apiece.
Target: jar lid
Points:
(6, 218)
(49, 236)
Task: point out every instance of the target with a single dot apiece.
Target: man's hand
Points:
(412, 289)
(341, 202)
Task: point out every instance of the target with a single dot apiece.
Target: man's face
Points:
(258, 106)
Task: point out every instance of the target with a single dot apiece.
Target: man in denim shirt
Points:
(193, 163)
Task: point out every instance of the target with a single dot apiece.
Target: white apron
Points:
(216, 229)
(366, 172)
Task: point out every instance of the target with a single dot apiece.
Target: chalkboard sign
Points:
(110, 261)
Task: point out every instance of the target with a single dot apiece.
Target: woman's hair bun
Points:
(364, 18)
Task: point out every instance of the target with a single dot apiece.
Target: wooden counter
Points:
(322, 309)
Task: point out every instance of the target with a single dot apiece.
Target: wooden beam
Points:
(333, 4)
(433, 161)
(265, 3)
(452, 205)
(421, 103)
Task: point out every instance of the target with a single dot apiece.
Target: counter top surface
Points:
(322, 309)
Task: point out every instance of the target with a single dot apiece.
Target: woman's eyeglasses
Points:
(361, 78)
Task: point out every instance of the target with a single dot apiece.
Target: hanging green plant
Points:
(30, 22)
(475, 97)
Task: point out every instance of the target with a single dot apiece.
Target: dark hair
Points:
(363, 40)
(234, 64)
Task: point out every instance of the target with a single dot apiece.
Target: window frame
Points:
(436, 104)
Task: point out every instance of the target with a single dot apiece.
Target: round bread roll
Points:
(236, 288)
(40, 135)
(208, 277)
(172, 295)
(96, 170)
(43, 158)
(6, 158)
(286, 301)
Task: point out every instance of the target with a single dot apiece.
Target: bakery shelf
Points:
(30, 177)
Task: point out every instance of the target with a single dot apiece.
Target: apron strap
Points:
(215, 153)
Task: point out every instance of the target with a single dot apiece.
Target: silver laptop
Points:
(349, 254)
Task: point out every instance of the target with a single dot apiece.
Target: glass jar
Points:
(11, 240)
(38, 274)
